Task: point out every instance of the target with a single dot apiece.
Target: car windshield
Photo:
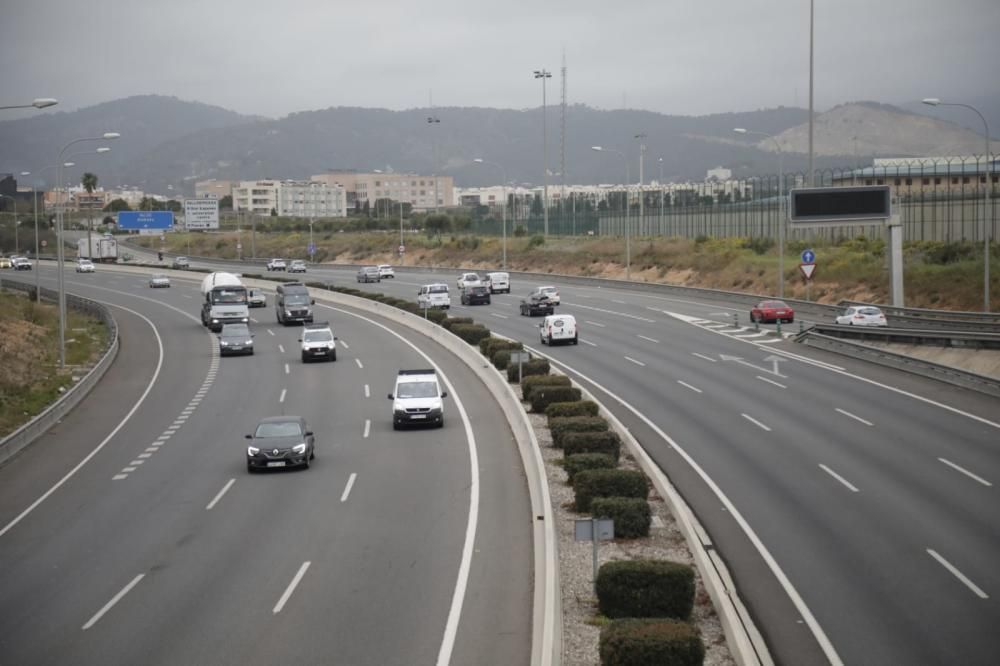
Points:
(296, 299)
(297, 262)
(279, 429)
(870, 311)
(440, 289)
(235, 330)
(229, 296)
(774, 304)
(417, 390)
(159, 276)
(317, 336)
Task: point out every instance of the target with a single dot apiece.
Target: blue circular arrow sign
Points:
(808, 257)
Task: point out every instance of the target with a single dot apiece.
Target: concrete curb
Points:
(27, 434)
(745, 641)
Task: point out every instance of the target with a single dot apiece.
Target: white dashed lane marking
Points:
(281, 348)
(838, 478)
(347, 488)
(965, 472)
(771, 381)
(755, 422)
(702, 356)
(686, 385)
(368, 427)
(358, 361)
(632, 360)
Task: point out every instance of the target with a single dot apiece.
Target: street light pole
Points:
(933, 101)
(503, 209)
(642, 156)
(628, 231)
(812, 7)
(781, 206)
(39, 103)
(434, 120)
(543, 74)
(660, 160)
(60, 252)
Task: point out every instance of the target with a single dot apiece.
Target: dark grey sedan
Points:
(235, 339)
(280, 441)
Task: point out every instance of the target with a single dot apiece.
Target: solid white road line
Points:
(594, 323)
(115, 599)
(215, 500)
(958, 574)
(855, 417)
(368, 391)
(497, 314)
(838, 477)
(281, 348)
(291, 587)
(347, 488)
(254, 320)
(755, 422)
(368, 427)
(686, 385)
(771, 381)
(121, 424)
(282, 397)
(119, 477)
(650, 339)
(629, 358)
(344, 343)
(615, 300)
(966, 472)
(702, 356)
(270, 332)
(620, 314)
(287, 370)
(587, 342)
(358, 361)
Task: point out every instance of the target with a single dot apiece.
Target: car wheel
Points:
(333, 356)
(395, 426)
(541, 338)
(306, 462)
(576, 339)
(250, 468)
(441, 423)
(305, 359)
(753, 320)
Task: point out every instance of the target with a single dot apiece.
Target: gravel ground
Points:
(581, 624)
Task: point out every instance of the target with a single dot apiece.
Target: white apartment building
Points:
(311, 199)
(418, 191)
(259, 197)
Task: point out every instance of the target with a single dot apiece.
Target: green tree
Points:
(174, 206)
(226, 202)
(89, 183)
(437, 224)
(116, 205)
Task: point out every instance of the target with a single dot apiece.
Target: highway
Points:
(856, 506)
(132, 534)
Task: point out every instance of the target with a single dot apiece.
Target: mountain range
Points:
(168, 144)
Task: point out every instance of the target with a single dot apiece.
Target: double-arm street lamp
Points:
(934, 101)
(39, 103)
(503, 209)
(628, 231)
(781, 207)
(60, 251)
(543, 75)
(432, 121)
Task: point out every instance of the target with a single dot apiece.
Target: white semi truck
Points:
(224, 301)
(102, 248)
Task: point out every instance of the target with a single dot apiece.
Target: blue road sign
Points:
(808, 257)
(311, 248)
(145, 219)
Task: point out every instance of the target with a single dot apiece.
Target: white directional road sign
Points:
(201, 214)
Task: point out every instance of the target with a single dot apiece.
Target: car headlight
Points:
(249, 342)
(288, 313)
(223, 343)
(245, 320)
(215, 321)
(252, 450)
(299, 448)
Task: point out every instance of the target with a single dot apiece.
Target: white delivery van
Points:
(417, 399)
(434, 296)
(558, 328)
(498, 282)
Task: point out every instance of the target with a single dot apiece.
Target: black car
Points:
(537, 303)
(280, 441)
(476, 295)
(235, 339)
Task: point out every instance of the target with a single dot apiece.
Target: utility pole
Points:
(812, 6)
(562, 142)
(434, 120)
(642, 158)
(543, 74)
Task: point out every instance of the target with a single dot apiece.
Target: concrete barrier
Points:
(27, 434)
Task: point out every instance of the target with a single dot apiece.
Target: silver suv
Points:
(369, 274)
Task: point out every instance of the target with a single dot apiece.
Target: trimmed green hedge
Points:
(536, 366)
(580, 462)
(448, 322)
(471, 333)
(543, 396)
(578, 408)
(646, 641)
(645, 588)
(632, 515)
(435, 315)
(501, 359)
(591, 442)
(608, 483)
(488, 346)
(529, 383)
(563, 425)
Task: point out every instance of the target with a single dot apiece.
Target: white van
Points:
(417, 399)
(498, 282)
(434, 296)
(558, 328)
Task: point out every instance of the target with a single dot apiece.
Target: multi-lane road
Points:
(856, 506)
(132, 534)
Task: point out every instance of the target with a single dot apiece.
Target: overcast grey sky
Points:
(672, 56)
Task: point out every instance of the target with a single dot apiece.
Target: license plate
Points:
(418, 416)
(277, 463)
(237, 348)
(319, 351)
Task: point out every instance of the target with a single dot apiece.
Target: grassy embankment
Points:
(29, 355)
(937, 275)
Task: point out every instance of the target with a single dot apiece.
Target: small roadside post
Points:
(520, 357)
(595, 529)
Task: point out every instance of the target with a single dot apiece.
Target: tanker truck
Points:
(224, 301)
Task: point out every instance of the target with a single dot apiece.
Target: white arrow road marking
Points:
(737, 359)
(771, 381)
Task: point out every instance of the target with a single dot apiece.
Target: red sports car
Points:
(766, 311)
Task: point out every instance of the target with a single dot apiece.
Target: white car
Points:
(468, 280)
(158, 280)
(417, 399)
(21, 263)
(551, 292)
(85, 266)
(386, 271)
(297, 266)
(862, 315)
(498, 282)
(558, 328)
(276, 265)
(434, 296)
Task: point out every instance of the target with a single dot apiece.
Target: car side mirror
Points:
(248, 436)
(300, 339)
(335, 337)
(253, 335)
(444, 394)
(390, 396)
(309, 433)
(313, 302)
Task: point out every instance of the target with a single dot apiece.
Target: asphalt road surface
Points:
(132, 534)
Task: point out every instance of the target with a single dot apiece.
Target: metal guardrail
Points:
(920, 336)
(933, 315)
(890, 359)
(28, 433)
